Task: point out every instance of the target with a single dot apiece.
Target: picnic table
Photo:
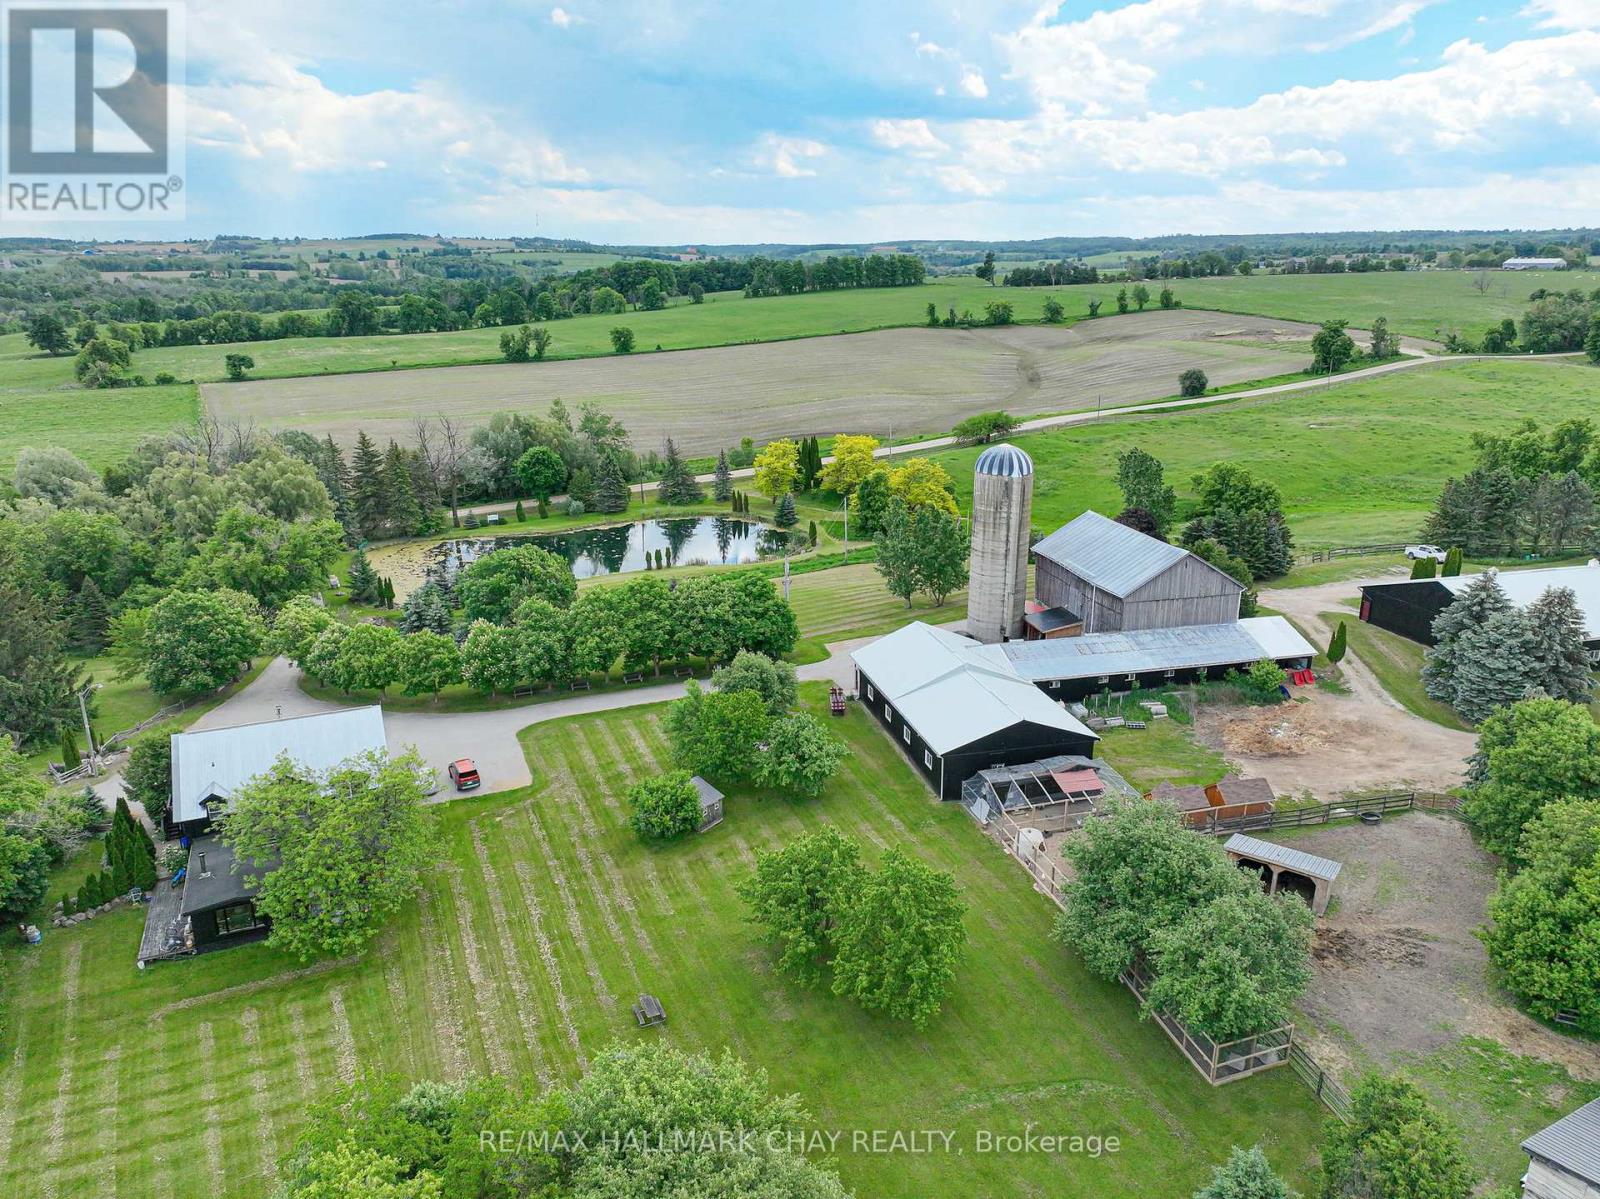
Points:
(648, 1011)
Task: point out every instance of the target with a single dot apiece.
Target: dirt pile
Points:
(1288, 729)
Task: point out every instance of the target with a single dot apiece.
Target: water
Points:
(619, 549)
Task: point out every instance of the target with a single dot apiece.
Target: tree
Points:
(664, 806)
(900, 940)
(1476, 604)
(1529, 753)
(1193, 382)
(799, 895)
(897, 553)
(297, 626)
(350, 843)
(645, 613)
(541, 342)
(196, 641)
(541, 472)
(1245, 1175)
(611, 493)
(853, 461)
(870, 504)
(1141, 295)
(1451, 567)
(986, 269)
(1338, 644)
(1054, 313)
(371, 506)
(786, 516)
(368, 658)
(772, 679)
(237, 364)
(1396, 1146)
(1384, 344)
(1233, 966)
(998, 312)
(1142, 481)
(1423, 568)
(48, 333)
(801, 755)
(1591, 342)
(517, 345)
(1167, 299)
(1331, 347)
(678, 484)
(426, 611)
(722, 483)
(1122, 300)
(147, 778)
(428, 663)
(777, 468)
(492, 587)
(102, 362)
(983, 427)
(492, 658)
(922, 482)
(1557, 656)
(622, 339)
(1494, 665)
(715, 735)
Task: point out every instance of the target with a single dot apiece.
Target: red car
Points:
(464, 774)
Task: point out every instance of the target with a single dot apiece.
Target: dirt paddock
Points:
(896, 381)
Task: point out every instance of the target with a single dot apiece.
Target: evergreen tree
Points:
(1494, 665)
(1556, 646)
(1337, 645)
(70, 757)
(678, 484)
(425, 611)
(610, 489)
(402, 511)
(89, 617)
(580, 487)
(1452, 563)
(367, 495)
(722, 487)
(521, 516)
(1422, 568)
(335, 476)
(787, 517)
(365, 586)
(1481, 600)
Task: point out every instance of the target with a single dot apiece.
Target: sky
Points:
(692, 121)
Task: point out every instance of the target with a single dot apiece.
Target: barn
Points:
(1410, 607)
(1564, 1159)
(955, 711)
(1111, 578)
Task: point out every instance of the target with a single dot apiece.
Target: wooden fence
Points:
(1325, 1086)
(1326, 813)
(1396, 547)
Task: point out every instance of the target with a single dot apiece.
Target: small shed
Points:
(1233, 798)
(710, 804)
(1305, 874)
(1564, 1159)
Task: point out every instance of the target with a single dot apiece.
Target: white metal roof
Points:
(1522, 587)
(1141, 651)
(216, 762)
(946, 688)
(1572, 1142)
(1308, 864)
(1113, 557)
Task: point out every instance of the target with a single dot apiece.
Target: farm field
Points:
(521, 957)
(892, 383)
(1359, 462)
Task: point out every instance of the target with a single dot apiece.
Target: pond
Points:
(619, 549)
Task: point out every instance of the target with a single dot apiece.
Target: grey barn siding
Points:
(1189, 592)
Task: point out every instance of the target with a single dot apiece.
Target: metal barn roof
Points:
(944, 687)
(1572, 1142)
(1272, 854)
(1005, 460)
(1522, 587)
(217, 762)
(1112, 557)
(1143, 651)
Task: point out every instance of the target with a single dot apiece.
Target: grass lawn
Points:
(1164, 752)
(1398, 664)
(1362, 462)
(544, 921)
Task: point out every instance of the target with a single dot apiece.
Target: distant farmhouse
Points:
(1534, 264)
(1117, 610)
(1410, 607)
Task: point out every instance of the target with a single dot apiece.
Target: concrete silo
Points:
(1002, 508)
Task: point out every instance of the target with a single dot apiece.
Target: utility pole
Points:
(88, 733)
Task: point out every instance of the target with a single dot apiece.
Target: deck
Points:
(163, 925)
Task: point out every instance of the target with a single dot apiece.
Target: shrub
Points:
(575, 508)
(1193, 382)
(1262, 683)
(664, 807)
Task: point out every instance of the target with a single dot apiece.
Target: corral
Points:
(893, 382)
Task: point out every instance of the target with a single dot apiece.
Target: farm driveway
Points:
(891, 382)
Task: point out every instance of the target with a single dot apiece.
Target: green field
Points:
(1359, 462)
(531, 939)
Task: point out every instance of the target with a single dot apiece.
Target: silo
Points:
(1002, 509)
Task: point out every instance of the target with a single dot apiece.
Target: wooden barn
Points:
(1111, 579)
(1409, 607)
(956, 712)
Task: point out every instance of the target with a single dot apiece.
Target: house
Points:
(1534, 264)
(1409, 608)
(956, 711)
(1070, 668)
(1111, 578)
(1233, 798)
(1564, 1159)
(218, 907)
(209, 766)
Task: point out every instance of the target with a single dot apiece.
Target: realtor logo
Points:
(92, 122)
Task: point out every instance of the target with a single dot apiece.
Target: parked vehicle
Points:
(1418, 552)
(464, 774)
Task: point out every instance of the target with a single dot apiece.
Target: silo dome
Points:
(1004, 460)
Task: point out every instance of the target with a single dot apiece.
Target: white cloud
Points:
(561, 18)
(1564, 14)
(785, 156)
(973, 83)
(911, 135)
(967, 182)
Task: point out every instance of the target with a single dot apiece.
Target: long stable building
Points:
(1410, 607)
(959, 707)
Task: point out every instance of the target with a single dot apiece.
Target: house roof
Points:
(1110, 556)
(946, 689)
(708, 793)
(217, 762)
(1138, 651)
(222, 881)
(1572, 1143)
(1523, 587)
(1272, 854)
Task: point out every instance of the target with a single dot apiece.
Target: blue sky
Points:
(722, 122)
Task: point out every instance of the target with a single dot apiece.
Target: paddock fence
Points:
(1335, 552)
(1327, 813)
(1325, 1086)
